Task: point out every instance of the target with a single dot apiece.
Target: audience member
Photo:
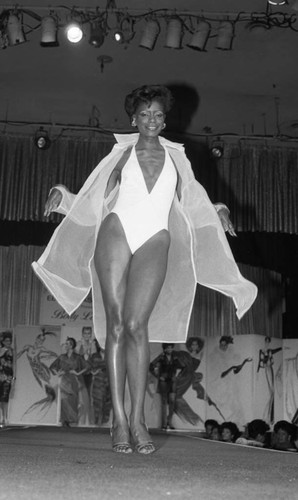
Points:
(229, 432)
(284, 436)
(256, 434)
(215, 433)
(209, 425)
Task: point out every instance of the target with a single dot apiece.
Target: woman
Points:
(139, 226)
(69, 367)
(165, 368)
(6, 374)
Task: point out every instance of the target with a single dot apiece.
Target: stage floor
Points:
(77, 463)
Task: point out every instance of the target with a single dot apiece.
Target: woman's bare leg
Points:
(112, 259)
(145, 279)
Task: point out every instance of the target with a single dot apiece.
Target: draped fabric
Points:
(213, 313)
(257, 180)
(20, 289)
(27, 173)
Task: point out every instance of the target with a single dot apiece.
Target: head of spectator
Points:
(229, 432)
(209, 424)
(215, 433)
(257, 430)
(284, 434)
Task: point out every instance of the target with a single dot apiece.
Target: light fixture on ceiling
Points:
(150, 34)
(217, 149)
(41, 139)
(97, 34)
(49, 30)
(15, 31)
(74, 32)
(277, 2)
(124, 33)
(225, 35)
(200, 36)
(174, 33)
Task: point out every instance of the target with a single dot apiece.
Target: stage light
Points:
(15, 32)
(97, 35)
(217, 149)
(150, 34)
(125, 30)
(225, 35)
(41, 139)
(200, 36)
(49, 32)
(277, 2)
(174, 34)
(74, 32)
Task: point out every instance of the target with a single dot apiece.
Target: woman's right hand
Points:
(53, 201)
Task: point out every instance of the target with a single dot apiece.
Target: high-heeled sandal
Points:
(144, 447)
(122, 446)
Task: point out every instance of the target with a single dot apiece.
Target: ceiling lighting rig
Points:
(181, 29)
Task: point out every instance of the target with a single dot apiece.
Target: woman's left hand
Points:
(223, 214)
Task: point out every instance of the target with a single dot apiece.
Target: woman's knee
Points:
(115, 328)
(135, 328)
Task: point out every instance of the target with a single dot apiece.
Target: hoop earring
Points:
(133, 123)
(164, 125)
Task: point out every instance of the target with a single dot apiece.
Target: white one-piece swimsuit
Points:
(143, 214)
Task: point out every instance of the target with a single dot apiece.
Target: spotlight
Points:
(174, 34)
(125, 32)
(97, 35)
(277, 2)
(15, 32)
(150, 34)
(41, 139)
(217, 149)
(49, 32)
(225, 35)
(74, 32)
(200, 36)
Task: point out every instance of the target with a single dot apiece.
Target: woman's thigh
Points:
(112, 259)
(146, 276)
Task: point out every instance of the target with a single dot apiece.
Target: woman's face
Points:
(194, 347)
(150, 119)
(215, 435)
(223, 345)
(226, 435)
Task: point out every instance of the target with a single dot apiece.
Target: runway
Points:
(60, 463)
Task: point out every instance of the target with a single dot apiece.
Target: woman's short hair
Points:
(167, 344)
(146, 94)
(233, 428)
(198, 340)
(256, 427)
(227, 339)
(72, 341)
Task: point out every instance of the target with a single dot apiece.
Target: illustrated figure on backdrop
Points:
(69, 367)
(266, 362)
(291, 387)
(37, 354)
(141, 233)
(190, 377)
(100, 391)
(6, 374)
(223, 364)
(165, 368)
(85, 348)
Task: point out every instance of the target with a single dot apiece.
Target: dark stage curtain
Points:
(258, 182)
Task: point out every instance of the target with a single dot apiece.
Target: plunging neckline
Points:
(142, 174)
